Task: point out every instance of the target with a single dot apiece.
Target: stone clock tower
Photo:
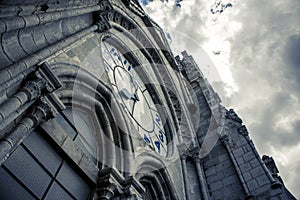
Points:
(94, 105)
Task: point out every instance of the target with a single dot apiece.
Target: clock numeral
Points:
(129, 68)
(157, 144)
(161, 136)
(106, 67)
(147, 140)
(117, 56)
(158, 119)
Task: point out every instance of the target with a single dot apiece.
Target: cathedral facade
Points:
(94, 105)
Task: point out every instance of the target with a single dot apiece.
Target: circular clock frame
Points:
(157, 137)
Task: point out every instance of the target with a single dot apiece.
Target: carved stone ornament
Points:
(103, 24)
(233, 116)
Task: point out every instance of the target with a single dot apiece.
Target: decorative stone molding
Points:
(231, 114)
(111, 184)
(132, 188)
(44, 72)
(33, 89)
(101, 19)
(45, 108)
(43, 81)
(243, 130)
(103, 24)
(105, 5)
(224, 139)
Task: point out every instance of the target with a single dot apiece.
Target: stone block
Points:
(33, 20)
(229, 171)
(55, 131)
(238, 152)
(14, 23)
(263, 190)
(27, 41)
(230, 180)
(12, 47)
(5, 61)
(211, 162)
(241, 141)
(54, 33)
(245, 167)
(212, 179)
(262, 180)
(89, 168)
(252, 185)
(240, 160)
(249, 156)
(39, 38)
(247, 176)
(225, 164)
(258, 171)
(72, 150)
(216, 186)
(210, 171)
(223, 157)
(254, 163)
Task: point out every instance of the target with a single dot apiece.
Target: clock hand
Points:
(125, 93)
(128, 95)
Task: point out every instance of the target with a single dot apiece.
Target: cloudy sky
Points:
(254, 51)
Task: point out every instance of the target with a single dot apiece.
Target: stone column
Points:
(201, 177)
(29, 92)
(185, 178)
(41, 112)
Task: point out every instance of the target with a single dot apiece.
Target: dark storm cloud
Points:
(264, 61)
(292, 57)
(265, 65)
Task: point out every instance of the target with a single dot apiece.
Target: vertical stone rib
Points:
(185, 179)
(200, 173)
(224, 140)
(274, 183)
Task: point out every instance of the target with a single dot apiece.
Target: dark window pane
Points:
(43, 152)
(72, 182)
(28, 171)
(56, 192)
(10, 189)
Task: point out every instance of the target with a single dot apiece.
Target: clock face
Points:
(135, 98)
